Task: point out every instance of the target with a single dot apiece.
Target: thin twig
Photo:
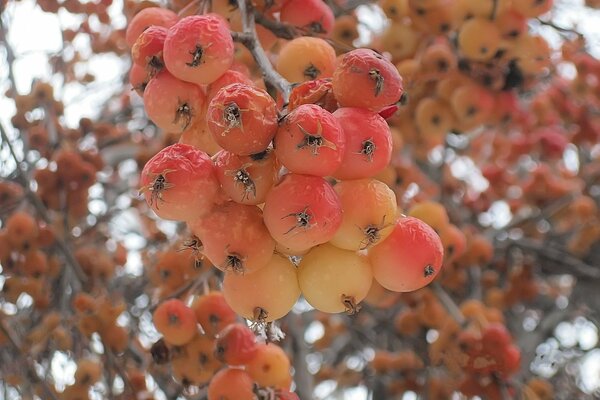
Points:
(43, 212)
(251, 42)
(447, 301)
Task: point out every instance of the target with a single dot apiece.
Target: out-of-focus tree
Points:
(494, 145)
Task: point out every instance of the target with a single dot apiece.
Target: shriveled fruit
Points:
(199, 48)
(179, 183)
(364, 78)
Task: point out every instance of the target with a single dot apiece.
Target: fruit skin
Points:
(274, 288)
(408, 259)
(172, 104)
(270, 367)
(176, 321)
(328, 276)
(306, 58)
(236, 345)
(199, 48)
(363, 78)
(242, 119)
(231, 384)
(361, 127)
(313, 15)
(148, 17)
(189, 187)
(235, 238)
(310, 141)
(213, 313)
(302, 211)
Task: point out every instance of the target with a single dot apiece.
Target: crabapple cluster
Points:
(314, 184)
(224, 353)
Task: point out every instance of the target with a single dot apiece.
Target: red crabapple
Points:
(148, 48)
(246, 179)
(370, 211)
(234, 238)
(310, 141)
(368, 143)
(409, 258)
(302, 211)
(266, 295)
(236, 345)
(172, 104)
(175, 321)
(179, 183)
(242, 119)
(312, 16)
(199, 48)
(334, 280)
(364, 78)
(148, 17)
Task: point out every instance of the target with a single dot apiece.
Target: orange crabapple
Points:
(172, 104)
(432, 213)
(479, 39)
(21, 230)
(199, 48)
(266, 295)
(311, 16)
(175, 321)
(235, 238)
(364, 78)
(310, 141)
(302, 211)
(194, 363)
(368, 143)
(242, 118)
(270, 367)
(246, 179)
(148, 17)
(213, 313)
(148, 48)
(334, 280)
(409, 258)
(370, 210)
(179, 183)
(306, 58)
(236, 345)
(199, 136)
(231, 384)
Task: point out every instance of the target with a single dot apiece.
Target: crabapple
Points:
(409, 258)
(213, 313)
(306, 58)
(179, 183)
(265, 295)
(334, 280)
(365, 79)
(148, 48)
(310, 141)
(236, 345)
(172, 104)
(368, 143)
(302, 211)
(242, 119)
(175, 321)
(198, 48)
(148, 17)
(231, 384)
(313, 16)
(235, 238)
